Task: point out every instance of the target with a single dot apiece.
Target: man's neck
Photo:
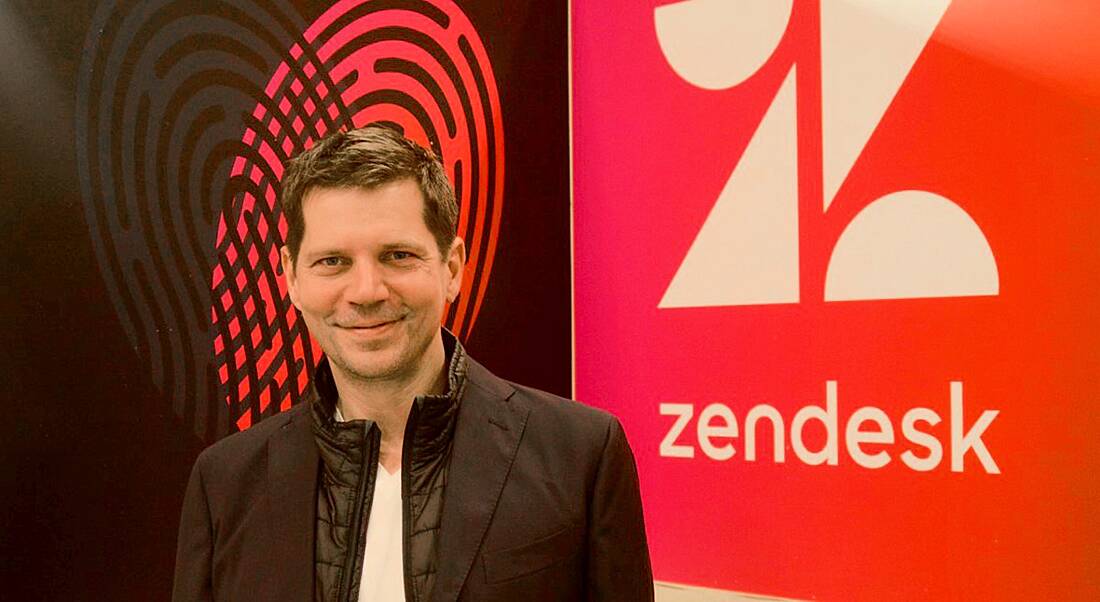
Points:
(387, 402)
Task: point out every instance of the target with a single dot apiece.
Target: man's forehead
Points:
(381, 217)
(399, 197)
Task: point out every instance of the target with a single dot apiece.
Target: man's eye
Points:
(401, 255)
(329, 262)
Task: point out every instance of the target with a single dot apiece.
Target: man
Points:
(410, 472)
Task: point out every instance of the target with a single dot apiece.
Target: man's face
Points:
(370, 281)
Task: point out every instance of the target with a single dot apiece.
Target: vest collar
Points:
(324, 393)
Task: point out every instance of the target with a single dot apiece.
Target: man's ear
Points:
(290, 275)
(456, 264)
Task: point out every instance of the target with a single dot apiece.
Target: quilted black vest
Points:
(349, 463)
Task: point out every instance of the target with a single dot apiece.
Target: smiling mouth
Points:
(372, 327)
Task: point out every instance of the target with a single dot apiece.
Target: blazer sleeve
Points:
(194, 547)
(618, 555)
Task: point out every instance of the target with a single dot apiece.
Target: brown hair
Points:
(366, 158)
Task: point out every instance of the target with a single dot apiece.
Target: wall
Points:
(835, 271)
(144, 315)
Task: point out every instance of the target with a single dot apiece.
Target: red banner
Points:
(835, 269)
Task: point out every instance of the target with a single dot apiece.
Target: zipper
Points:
(363, 498)
(406, 519)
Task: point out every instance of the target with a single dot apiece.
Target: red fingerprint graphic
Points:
(415, 65)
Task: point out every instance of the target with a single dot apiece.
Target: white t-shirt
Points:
(383, 576)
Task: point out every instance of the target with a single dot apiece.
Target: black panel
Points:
(109, 396)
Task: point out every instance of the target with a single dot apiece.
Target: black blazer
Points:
(542, 503)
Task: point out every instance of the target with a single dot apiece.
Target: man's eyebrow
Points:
(323, 253)
(405, 246)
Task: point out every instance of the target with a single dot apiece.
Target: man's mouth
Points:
(373, 325)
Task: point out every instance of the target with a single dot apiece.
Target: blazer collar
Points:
(487, 435)
(292, 508)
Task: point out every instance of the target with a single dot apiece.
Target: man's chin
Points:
(386, 358)
(380, 365)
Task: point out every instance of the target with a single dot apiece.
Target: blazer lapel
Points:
(486, 438)
(292, 500)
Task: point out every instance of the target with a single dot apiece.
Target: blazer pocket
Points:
(503, 565)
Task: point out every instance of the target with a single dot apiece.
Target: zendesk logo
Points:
(906, 244)
(716, 427)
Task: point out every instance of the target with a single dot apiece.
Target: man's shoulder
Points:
(547, 409)
(558, 407)
(247, 446)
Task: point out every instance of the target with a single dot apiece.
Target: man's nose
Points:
(366, 284)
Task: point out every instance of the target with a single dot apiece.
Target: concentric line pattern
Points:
(416, 65)
(163, 91)
(166, 89)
